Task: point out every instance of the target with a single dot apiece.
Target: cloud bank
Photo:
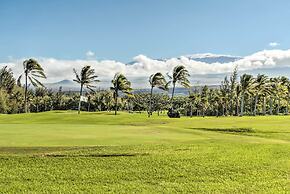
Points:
(142, 66)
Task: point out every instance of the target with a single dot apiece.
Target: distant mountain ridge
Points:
(206, 58)
(70, 86)
(67, 85)
(212, 58)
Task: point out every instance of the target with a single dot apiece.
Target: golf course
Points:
(63, 152)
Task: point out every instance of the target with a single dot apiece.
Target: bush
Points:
(173, 114)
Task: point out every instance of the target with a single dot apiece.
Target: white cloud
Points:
(90, 54)
(143, 66)
(274, 44)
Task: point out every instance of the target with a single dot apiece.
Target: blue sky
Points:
(122, 29)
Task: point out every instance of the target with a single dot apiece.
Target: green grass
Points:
(62, 152)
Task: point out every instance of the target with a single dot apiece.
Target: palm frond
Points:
(19, 80)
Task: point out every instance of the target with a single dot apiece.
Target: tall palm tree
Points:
(233, 87)
(179, 75)
(32, 71)
(246, 82)
(156, 80)
(120, 83)
(86, 78)
(237, 96)
(261, 87)
(225, 92)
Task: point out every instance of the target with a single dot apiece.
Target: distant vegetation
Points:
(247, 95)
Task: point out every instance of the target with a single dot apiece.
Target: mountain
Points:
(179, 91)
(70, 86)
(206, 58)
(67, 85)
(213, 58)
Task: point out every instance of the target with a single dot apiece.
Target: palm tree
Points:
(7, 80)
(39, 94)
(279, 90)
(156, 80)
(261, 87)
(215, 101)
(246, 82)
(179, 75)
(238, 94)
(120, 83)
(32, 71)
(286, 83)
(204, 99)
(225, 92)
(233, 86)
(86, 78)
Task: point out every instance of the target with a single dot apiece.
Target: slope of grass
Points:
(61, 152)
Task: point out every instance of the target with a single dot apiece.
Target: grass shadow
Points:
(228, 130)
(94, 155)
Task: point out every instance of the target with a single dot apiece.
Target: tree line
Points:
(236, 96)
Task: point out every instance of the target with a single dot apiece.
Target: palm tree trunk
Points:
(190, 109)
(89, 105)
(226, 108)
(232, 105)
(287, 106)
(271, 106)
(80, 102)
(264, 105)
(217, 110)
(150, 102)
(25, 94)
(242, 105)
(278, 107)
(255, 105)
(116, 101)
(237, 106)
(173, 89)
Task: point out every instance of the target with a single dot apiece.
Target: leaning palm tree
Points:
(156, 80)
(120, 83)
(246, 82)
(86, 78)
(32, 71)
(179, 75)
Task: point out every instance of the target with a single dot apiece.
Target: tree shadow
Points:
(93, 155)
(228, 130)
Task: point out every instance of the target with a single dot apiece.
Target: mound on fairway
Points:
(61, 152)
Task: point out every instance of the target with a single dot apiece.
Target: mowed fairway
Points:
(62, 152)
